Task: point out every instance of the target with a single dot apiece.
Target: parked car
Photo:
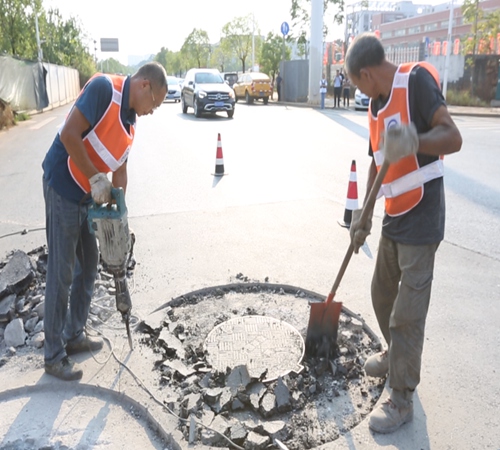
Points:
(230, 77)
(205, 91)
(174, 90)
(361, 101)
(253, 86)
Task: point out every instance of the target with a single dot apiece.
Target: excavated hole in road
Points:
(301, 407)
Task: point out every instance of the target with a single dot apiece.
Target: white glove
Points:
(358, 234)
(100, 188)
(400, 141)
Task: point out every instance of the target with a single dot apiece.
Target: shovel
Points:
(322, 330)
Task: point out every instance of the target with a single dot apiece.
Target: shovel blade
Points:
(322, 330)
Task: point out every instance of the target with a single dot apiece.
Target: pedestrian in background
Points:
(279, 80)
(346, 85)
(410, 127)
(94, 140)
(337, 89)
(323, 85)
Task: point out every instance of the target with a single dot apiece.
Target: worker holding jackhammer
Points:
(94, 141)
(411, 128)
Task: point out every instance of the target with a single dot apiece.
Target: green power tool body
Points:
(110, 225)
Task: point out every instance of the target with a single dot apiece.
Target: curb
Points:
(474, 112)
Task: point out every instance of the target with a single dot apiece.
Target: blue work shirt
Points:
(92, 103)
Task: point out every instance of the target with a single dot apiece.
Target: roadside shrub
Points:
(463, 98)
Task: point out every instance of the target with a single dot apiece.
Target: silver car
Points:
(174, 90)
(361, 101)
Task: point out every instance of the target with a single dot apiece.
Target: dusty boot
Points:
(66, 370)
(85, 344)
(377, 365)
(391, 414)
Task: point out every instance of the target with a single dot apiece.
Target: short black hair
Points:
(154, 72)
(365, 51)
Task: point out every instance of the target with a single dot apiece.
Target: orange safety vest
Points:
(403, 186)
(108, 143)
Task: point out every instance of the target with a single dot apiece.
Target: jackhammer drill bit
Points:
(123, 301)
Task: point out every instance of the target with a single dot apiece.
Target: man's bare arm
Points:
(444, 137)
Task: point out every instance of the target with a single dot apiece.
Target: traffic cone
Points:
(352, 197)
(219, 160)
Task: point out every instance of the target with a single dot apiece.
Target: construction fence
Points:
(32, 86)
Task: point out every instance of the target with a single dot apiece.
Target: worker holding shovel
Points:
(411, 129)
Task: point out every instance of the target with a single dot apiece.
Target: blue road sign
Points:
(284, 28)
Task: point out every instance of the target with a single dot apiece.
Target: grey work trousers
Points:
(401, 290)
(71, 271)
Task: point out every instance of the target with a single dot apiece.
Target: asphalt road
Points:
(271, 154)
(274, 214)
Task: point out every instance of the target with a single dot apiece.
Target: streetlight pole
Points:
(40, 52)
(448, 51)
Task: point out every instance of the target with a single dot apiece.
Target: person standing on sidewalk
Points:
(411, 127)
(94, 140)
(346, 85)
(337, 89)
(279, 80)
(323, 85)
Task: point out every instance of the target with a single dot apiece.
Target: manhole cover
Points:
(261, 343)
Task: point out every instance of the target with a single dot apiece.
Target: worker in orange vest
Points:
(410, 127)
(95, 140)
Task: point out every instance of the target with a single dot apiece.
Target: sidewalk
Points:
(475, 111)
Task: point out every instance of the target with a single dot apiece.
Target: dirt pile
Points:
(6, 116)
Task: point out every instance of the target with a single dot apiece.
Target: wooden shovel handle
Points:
(367, 207)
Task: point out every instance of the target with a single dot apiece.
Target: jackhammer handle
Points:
(367, 207)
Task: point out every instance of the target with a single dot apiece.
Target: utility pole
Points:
(253, 42)
(448, 51)
(316, 51)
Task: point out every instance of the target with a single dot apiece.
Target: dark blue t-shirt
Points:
(92, 103)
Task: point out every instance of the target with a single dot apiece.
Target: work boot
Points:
(388, 416)
(84, 344)
(66, 370)
(377, 365)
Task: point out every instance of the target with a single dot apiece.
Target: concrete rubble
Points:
(215, 407)
(246, 410)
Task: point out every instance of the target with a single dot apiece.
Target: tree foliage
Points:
(238, 34)
(272, 53)
(485, 28)
(17, 27)
(62, 41)
(196, 48)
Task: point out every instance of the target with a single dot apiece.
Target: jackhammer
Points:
(110, 225)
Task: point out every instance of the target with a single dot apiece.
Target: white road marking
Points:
(42, 123)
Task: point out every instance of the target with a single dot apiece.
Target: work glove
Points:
(400, 141)
(100, 188)
(358, 234)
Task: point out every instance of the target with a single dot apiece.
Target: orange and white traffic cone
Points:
(352, 197)
(219, 160)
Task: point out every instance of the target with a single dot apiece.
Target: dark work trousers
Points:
(336, 93)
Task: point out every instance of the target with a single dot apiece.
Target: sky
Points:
(144, 27)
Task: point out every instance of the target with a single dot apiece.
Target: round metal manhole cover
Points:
(261, 343)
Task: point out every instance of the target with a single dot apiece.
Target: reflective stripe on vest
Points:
(108, 143)
(403, 185)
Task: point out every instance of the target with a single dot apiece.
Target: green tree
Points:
(222, 56)
(485, 27)
(196, 48)
(17, 27)
(271, 54)
(238, 34)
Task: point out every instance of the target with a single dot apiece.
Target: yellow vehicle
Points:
(253, 86)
